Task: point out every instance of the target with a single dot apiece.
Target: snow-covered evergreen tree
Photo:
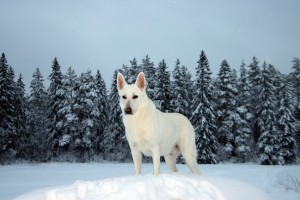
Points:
(56, 95)
(117, 147)
(177, 84)
(163, 93)
(103, 107)
(254, 76)
(286, 124)
(203, 117)
(296, 86)
(69, 120)
(244, 140)
(296, 76)
(270, 138)
(188, 90)
(133, 71)
(8, 132)
(150, 72)
(37, 119)
(86, 107)
(226, 112)
(182, 86)
(21, 109)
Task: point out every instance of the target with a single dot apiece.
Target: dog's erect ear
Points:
(120, 81)
(141, 81)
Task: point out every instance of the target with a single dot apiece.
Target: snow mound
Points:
(164, 187)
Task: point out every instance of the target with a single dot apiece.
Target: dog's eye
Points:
(124, 97)
(135, 96)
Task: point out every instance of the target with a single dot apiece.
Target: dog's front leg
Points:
(137, 160)
(156, 160)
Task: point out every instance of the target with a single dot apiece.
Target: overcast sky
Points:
(104, 34)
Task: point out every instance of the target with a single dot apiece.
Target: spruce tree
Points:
(87, 109)
(7, 110)
(69, 120)
(269, 140)
(179, 100)
(296, 76)
(133, 71)
(188, 91)
(117, 147)
(226, 112)
(103, 107)
(163, 94)
(55, 94)
(21, 108)
(150, 72)
(182, 86)
(244, 140)
(203, 117)
(286, 124)
(254, 76)
(37, 119)
(296, 85)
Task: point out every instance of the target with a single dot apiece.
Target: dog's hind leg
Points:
(171, 158)
(171, 162)
(189, 153)
(190, 159)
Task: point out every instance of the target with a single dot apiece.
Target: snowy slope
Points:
(72, 181)
(163, 187)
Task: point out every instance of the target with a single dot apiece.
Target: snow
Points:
(64, 140)
(90, 181)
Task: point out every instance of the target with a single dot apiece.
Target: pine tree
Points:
(21, 109)
(269, 140)
(286, 124)
(296, 85)
(188, 91)
(254, 76)
(177, 84)
(125, 72)
(182, 90)
(117, 147)
(56, 95)
(103, 107)
(149, 69)
(69, 120)
(226, 112)
(163, 94)
(244, 140)
(296, 76)
(133, 71)
(37, 119)
(88, 113)
(203, 117)
(7, 110)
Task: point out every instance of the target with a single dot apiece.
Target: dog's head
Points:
(132, 96)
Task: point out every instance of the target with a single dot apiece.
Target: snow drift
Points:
(164, 187)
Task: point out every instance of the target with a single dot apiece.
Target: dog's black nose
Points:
(128, 111)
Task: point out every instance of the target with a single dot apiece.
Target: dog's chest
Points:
(141, 139)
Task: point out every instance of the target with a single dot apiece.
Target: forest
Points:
(250, 115)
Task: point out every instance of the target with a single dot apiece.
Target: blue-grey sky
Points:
(104, 34)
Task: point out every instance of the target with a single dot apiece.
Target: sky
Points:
(105, 34)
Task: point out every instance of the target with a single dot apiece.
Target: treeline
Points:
(252, 115)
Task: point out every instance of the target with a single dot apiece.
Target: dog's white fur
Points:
(152, 132)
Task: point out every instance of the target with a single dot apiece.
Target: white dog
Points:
(152, 132)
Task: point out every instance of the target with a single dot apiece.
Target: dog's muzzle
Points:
(128, 111)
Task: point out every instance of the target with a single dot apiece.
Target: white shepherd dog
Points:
(152, 132)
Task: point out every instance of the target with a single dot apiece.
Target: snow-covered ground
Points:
(117, 181)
